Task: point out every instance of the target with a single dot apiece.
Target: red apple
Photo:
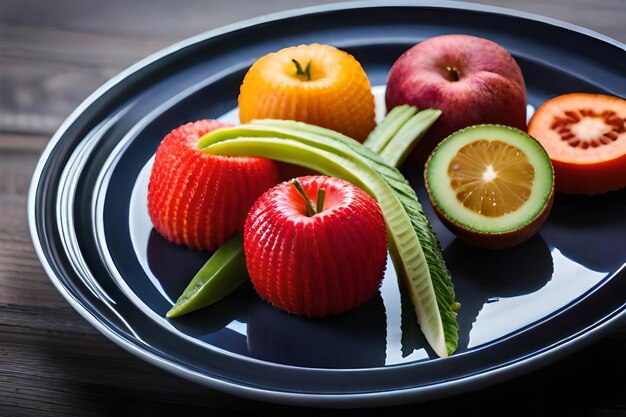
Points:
(200, 200)
(471, 80)
(311, 257)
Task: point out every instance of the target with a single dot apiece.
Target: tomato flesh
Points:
(585, 137)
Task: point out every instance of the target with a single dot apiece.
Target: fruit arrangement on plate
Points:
(316, 245)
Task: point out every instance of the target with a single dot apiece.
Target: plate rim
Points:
(583, 337)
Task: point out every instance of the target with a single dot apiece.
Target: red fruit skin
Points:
(200, 200)
(490, 88)
(319, 265)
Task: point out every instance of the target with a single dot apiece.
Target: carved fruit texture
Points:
(337, 94)
(200, 200)
(316, 265)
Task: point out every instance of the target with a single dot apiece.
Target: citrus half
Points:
(491, 185)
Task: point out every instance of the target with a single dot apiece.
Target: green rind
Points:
(209, 284)
(434, 173)
(383, 132)
(406, 139)
(338, 155)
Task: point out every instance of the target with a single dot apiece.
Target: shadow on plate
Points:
(354, 339)
(590, 230)
(482, 276)
(242, 323)
(173, 265)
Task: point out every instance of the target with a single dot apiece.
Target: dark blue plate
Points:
(522, 308)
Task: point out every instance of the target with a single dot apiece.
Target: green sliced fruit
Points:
(382, 134)
(406, 139)
(400, 130)
(221, 275)
(491, 185)
(413, 245)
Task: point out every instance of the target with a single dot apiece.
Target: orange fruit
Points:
(585, 136)
(317, 84)
(491, 185)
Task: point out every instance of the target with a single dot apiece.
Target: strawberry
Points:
(200, 200)
(315, 256)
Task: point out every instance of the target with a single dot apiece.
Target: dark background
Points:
(53, 54)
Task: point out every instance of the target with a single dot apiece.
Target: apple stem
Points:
(307, 71)
(310, 208)
(320, 200)
(453, 73)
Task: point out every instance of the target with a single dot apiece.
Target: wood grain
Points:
(52, 362)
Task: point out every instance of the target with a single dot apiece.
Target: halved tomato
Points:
(585, 137)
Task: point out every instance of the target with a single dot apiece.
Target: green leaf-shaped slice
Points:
(221, 275)
(413, 245)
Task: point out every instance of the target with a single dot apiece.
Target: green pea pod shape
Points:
(221, 275)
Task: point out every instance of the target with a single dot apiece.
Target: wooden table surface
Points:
(53, 54)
